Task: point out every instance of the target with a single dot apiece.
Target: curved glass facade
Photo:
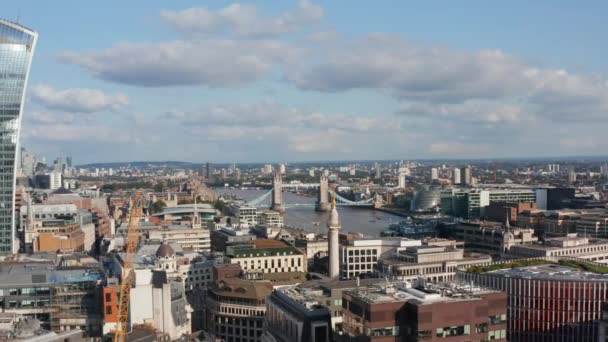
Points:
(425, 199)
(17, 45)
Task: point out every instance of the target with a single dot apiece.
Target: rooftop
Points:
(420, 294)
(550, 271)
(26, 273)
(245, 252)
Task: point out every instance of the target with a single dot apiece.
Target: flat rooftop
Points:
(23, 274)
(420, 295)
(551, 272)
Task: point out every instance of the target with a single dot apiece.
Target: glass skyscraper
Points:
(17, 45)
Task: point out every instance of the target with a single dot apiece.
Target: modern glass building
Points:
(17, 45)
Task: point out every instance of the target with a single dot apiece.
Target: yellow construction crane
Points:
(128, 273)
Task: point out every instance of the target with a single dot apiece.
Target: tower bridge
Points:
(277, 201)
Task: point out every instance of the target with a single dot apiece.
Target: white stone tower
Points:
(277, 193)
(333, 227)
(323, 198)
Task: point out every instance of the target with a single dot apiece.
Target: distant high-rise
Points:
(434, 173)
(572, 176)
(237, 175)
(378, 170)
(17, 45)
(456, 176)
(267, 169)
(604, 169)
(466, 177)
(402, 181)
(209, 172)
(282, 168)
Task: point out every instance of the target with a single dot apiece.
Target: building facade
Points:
(360, 256)
(17, 45)
(547, 302)
(399, 312)
(235, 309)
(292, 315)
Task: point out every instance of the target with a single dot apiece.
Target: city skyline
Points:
(303, 81)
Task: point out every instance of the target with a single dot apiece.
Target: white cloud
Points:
(501, 85)
(213, 63)
(272, 114)
(458, 149)
(243, 20)
(469, 111)
(74, 133)
(81, 100)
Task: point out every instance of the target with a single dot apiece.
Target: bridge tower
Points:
(323, 197)
(378, 202)
(277, 193)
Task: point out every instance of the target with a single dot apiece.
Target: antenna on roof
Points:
(18, 15)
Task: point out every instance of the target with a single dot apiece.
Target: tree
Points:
(158, 187)
(219, 205)
(157, 206)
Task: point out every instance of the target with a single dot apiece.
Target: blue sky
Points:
(287, 81)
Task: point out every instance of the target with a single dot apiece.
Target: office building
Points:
(270, 218)
(501, 211)
(295, 314)
(400, 312)
(17, 45)
(584, 248)
(430, 262)
(270, 260)
(360, 256)
(245, 215)
(593, 223)
(56, 228)
(471, 203)
(236, 308)
(225, 237)
(62, 294)
(554, 198)
(487, 237)
(547, 302)
(189, 239)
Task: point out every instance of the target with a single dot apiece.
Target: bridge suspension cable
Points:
(256, 201)
(347, 201)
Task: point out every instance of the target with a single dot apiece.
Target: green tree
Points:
(157, 206)
(219, 205)
(158, 187)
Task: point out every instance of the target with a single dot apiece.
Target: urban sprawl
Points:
(471, 250)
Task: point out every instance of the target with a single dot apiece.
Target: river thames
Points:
(358, 220)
